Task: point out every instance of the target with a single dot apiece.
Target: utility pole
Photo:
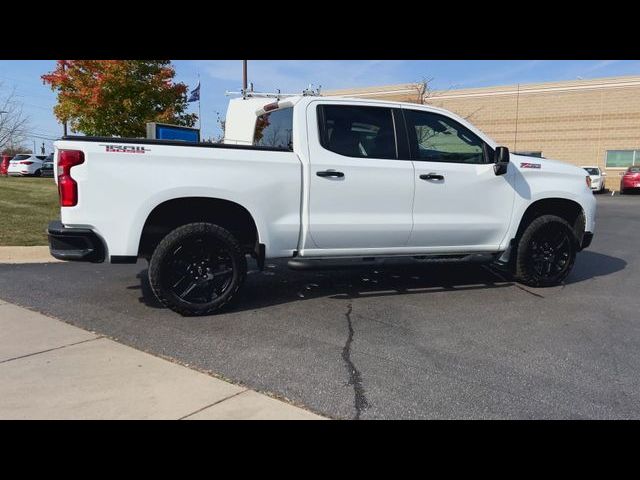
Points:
(244, 77)
(64, 124)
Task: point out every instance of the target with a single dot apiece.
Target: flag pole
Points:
(199, 111)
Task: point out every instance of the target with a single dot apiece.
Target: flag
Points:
(194, 96)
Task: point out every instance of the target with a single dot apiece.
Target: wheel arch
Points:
(565, 208)
(178, 211)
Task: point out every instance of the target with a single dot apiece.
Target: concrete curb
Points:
(50, 369)
(38, 254)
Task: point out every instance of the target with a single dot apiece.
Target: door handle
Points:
(330, 173)
(431, 176)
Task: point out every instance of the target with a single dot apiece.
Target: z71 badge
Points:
(530, 165)
(125, 149)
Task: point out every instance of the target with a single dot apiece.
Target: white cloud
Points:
(295, 75)
(500, 74)
(599, 65)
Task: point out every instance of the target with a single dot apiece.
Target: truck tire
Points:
(545, 252)
(197, 269)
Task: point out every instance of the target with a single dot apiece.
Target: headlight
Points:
(588, 179)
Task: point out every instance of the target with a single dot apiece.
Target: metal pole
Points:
(244, 77)
(199, 111)
(515, 140)
(64, 124)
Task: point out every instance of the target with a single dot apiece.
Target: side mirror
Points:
(501, 160)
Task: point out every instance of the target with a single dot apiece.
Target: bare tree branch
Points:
(425, 94)
(14, 124)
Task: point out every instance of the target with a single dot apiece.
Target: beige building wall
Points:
(575, 121)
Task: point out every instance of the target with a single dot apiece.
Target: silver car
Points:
(597, 178)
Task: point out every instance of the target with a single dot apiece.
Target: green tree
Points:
(118, 97)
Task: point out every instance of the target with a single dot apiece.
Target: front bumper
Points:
(74, 244)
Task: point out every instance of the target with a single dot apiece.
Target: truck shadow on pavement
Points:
(277, 284)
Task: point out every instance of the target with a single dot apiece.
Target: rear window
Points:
(275, 129)
(592, 171)
(634, 169)
(21, 157)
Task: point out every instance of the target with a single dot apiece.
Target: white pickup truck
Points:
(322, 181)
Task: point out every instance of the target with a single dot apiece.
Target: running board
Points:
(331, 263)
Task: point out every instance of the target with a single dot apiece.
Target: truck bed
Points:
(120, 186)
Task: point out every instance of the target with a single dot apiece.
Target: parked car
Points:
(47, 169)
(26, 164)
(4, 164)
(327, 182)
(597, 178)
(630, 181)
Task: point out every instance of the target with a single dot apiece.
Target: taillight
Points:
(26, 163)
(67, 186)
(588, 178)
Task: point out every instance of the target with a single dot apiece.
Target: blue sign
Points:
(162, 131)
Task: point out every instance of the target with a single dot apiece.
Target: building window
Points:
(622, 158)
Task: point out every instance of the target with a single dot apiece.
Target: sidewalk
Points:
(52, 370)
(38, 254)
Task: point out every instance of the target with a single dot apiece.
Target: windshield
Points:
(592, 171)
(634, 169)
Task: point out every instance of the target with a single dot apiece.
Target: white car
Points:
(325, 182)
(26, 164)
(597, 178)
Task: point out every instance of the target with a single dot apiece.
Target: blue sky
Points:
(293, 76)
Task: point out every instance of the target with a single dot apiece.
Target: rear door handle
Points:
(431, 176)
(330, 173)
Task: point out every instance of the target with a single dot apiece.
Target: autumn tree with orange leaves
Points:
(118, 97)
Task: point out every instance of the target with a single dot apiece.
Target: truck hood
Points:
(531, 164)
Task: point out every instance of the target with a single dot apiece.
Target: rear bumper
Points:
(74, 244)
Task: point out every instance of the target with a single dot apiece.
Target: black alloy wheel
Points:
(197, 269)
(546, 252)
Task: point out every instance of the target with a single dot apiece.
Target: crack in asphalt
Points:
(355, 378)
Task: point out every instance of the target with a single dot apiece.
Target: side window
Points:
(355, 131)
(274, 129)
(437, 138)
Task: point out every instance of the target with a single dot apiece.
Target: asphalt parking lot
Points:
(419, 342)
